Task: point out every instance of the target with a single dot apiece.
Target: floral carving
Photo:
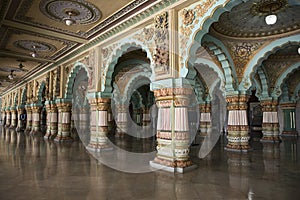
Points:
(241, 53)
(161, 54)
(148, 33)
(188, 17)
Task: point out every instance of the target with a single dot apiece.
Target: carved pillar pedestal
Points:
(52, 120)
(36, 127)
(8, 118)
(64, 121)
(14, 120)
(270, 125)
(173, 135)
(238, 137)
(20, 126)
(121, 121)
(29, 118)
(205, 119)
(99, 124)
(289, 119)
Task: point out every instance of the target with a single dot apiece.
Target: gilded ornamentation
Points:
(148, 33)
(241, 53)
(161, 53)
(188, 16)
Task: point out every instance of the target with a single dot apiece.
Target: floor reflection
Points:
(32, 168)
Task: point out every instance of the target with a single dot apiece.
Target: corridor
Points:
(34, 168)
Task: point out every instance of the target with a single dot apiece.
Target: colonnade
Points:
(173, 123)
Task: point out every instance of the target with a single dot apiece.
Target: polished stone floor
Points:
(32, 168)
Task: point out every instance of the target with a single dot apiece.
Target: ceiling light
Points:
(299, 50)
(271, 19)
(33, 54)
(68, 20)
(11, 76)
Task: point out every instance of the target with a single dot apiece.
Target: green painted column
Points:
(289, 119)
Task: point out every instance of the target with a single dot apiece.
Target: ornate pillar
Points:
(238, 137)
(270, 125)
(3, 117)
(21, 126)
(205, 119)
(36, 124)
(146, 117)
(121, 121)
(8, 117)
(64, 120)
(99, 124)
(110, 120)
(29, 118)
(173, 134)
(289, 119)
(52, 120)
(14, 121)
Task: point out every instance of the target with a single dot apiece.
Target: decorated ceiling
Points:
(40, 27)
(36, 33)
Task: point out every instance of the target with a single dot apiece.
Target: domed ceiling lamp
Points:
(33, 54)
(269, 8)
(11, 75)
(68, 20)
(299, 50)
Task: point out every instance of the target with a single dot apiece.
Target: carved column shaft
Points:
(146, 117)
(52, 120)
(270, 125)
(289, 119)
(172, 128)
(237, 128)
(36, 127)
(3, 117)
(13, 118)
(20, 126)
(99, 124)
(121, 120)
(205, 119)
(29, 118)
(64, 121)
(8, 117)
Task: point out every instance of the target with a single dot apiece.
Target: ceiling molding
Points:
(19, 55)
(44, 31)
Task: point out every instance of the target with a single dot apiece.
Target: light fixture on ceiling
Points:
(68, 20)
(299, 50)
(33, 54)
(11, 75)
(271, 19)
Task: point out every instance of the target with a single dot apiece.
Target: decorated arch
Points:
(278, 85)
(262, 54)
(71, 79)
(110, 61)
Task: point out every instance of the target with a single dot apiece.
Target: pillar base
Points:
(99, 148)
(180, 169)
(63, 139)
(270, 139)
(238, 148)
(18, 129)
(289, 133)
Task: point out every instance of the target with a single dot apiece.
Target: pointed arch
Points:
(264, 53)
(40, 92)
(264, 83)
(23, 96)
(277, 90)
(198, 31)
(122, 47)
(71, 78)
